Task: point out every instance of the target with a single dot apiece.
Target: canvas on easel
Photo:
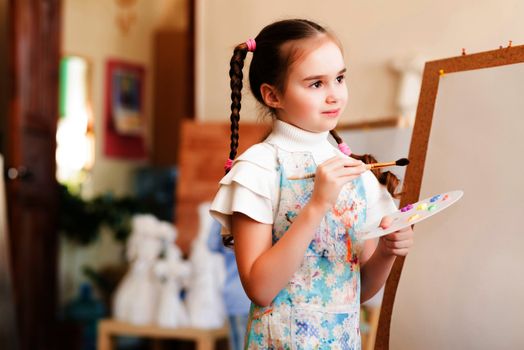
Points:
(460, 281)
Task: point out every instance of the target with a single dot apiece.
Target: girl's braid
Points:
(236, 75)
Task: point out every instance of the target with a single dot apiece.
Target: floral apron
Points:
(319, 307)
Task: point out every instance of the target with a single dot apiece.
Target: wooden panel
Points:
(173, 93)
(204, 149)
(204, 339)
(30, 144)
(8, 330)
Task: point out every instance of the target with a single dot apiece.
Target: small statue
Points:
(410, 70)
(204, 299)
(137, 295)
(173, 274)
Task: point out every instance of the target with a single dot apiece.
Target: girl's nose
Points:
(336, 93)
(331, 97)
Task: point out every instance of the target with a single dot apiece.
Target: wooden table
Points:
(205, 339)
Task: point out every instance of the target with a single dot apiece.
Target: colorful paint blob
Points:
(422, 206)
(413, 217)
(407, 208)
(435, 198)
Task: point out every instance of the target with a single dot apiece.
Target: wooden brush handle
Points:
(381, 165)
(307, 176)
(369, 166)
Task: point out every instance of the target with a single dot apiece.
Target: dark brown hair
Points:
(269, 65)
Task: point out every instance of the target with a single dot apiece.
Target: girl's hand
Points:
(396, 243)
(331, 176)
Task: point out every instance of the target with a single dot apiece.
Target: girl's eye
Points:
(316, 84)
(341, 78)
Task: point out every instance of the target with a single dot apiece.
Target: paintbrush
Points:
(398, 162)
(371, 166)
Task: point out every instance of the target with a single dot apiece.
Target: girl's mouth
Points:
(332, 113)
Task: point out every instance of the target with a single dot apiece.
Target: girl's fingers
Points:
(341, 169)
(341, 174)
(340, 162)
(356, 170)
(344, 171)
(400, 252)
(332, 163)
(399, 242)
(386, 222)
(399, 235)
(407, 243)
(351, 163)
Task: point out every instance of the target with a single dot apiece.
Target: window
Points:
(75, 151)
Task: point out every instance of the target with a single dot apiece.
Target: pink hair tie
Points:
(228, 165)
(344, 148)
(251, 45)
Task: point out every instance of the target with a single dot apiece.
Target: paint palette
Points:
(412, 214)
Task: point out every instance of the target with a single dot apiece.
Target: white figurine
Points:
(410, 69)
(204, 299)
(172, 273)
(137, 295)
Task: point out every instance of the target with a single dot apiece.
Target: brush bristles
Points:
(402, 162)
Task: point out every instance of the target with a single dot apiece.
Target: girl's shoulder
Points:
(262, 154)
(254, 168)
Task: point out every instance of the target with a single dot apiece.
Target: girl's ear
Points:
(270, 96)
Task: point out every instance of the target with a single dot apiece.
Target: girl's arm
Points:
(264, 268)
(376, 269)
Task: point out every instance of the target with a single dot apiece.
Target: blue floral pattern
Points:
(319, 307)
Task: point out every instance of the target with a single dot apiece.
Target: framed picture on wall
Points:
(124, 112)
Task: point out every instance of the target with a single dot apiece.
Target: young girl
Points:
(294, 203)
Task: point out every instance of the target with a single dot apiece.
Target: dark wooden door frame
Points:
(8, 330)
(30, 131)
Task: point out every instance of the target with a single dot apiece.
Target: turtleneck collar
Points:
(292, 139)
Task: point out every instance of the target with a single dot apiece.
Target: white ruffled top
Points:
(252, 185)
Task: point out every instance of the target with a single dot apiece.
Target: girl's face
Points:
(315, 93)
